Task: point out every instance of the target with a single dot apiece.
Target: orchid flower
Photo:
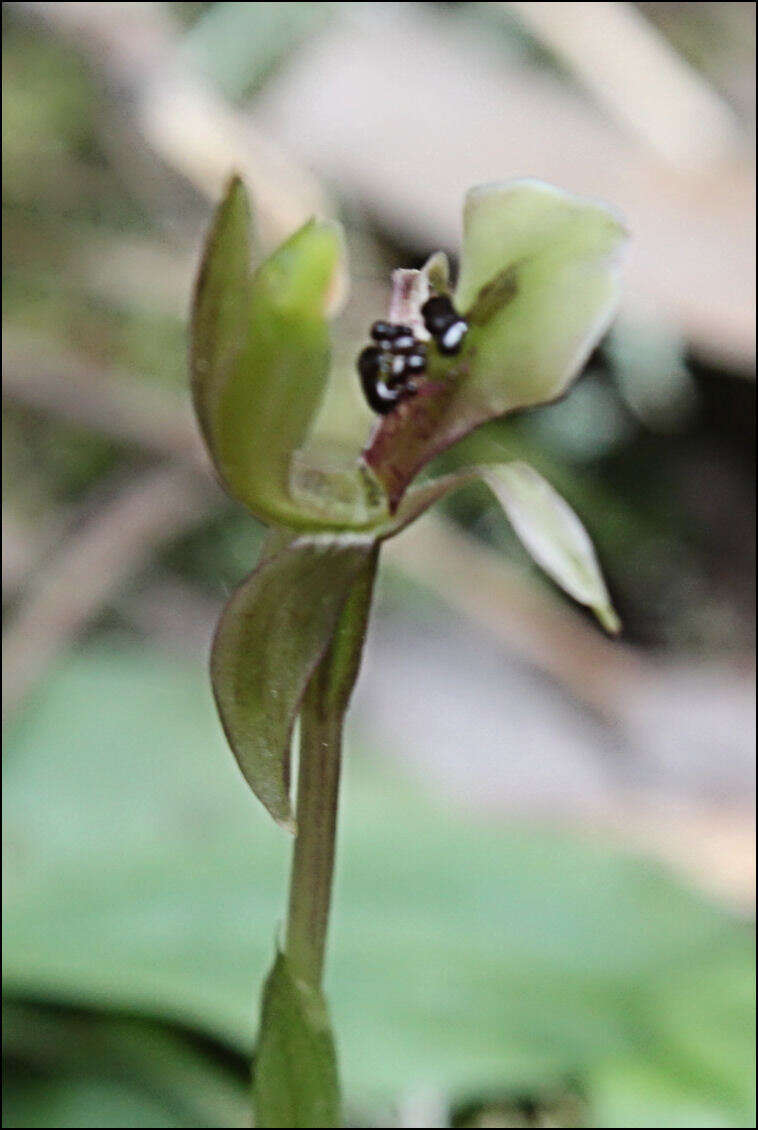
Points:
(537, 287)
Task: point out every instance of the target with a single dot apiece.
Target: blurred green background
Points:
(545, 890)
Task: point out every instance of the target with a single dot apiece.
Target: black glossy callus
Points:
(415, 362)
(404, 343)
(389, 331)
(373, 373)
(444, 323)
(438, 313)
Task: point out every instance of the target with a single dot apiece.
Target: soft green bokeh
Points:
(103, 1069)
(472, 958)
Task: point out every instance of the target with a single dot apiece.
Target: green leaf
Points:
(295, 1072)
(539, 284)
(544, 522)
(260, 362)
(271, 636)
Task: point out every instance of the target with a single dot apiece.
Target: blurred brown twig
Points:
(184, 121)
(50, 378)
(95, 560)
(642, 81)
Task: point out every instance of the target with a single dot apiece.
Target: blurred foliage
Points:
(714, 37)
(569, 980)
(70, 1067)
(239, 45)
(139, 872)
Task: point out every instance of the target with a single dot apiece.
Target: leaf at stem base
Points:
(295, 1081)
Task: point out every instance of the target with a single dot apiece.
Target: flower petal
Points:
(260, 361)
(539, 284)
(553, 535)
(544, 522)
(220, 301)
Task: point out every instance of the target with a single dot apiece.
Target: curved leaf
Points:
(295, 1080)
(543, 521)
(539, 284)
(270, 639)
(260, 362)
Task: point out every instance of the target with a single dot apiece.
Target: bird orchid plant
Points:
(537, 286)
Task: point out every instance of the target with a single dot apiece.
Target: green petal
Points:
(295, 1080)
(539, 282)
(220, 301)
(272, 635)
(260, 363)
(544, 522)
(553, 535)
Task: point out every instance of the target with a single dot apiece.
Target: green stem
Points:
(313, 861)
(321, 716)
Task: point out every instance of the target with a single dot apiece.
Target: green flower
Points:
(538, 284)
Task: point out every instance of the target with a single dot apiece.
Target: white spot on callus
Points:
(453, 336)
